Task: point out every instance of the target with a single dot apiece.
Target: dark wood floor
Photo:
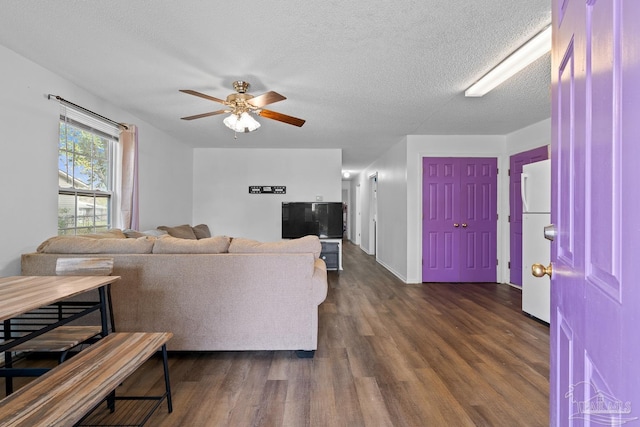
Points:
(389, 354)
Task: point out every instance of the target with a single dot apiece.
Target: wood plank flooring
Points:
(389, 354)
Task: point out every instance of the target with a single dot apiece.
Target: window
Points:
(85, 173)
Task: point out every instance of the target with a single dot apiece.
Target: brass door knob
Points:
(456, 225)
(540, 270)
(464, 225)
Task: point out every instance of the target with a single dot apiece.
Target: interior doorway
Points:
(358, 212)
(515, 208)
(346, 220)
(373, 213)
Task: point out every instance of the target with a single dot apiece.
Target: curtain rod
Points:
(59, 98)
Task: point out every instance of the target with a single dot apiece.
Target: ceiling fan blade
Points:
(199, 116)
(202, 95)
(281, 117)
(265, 99)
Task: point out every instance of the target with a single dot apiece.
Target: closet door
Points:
(440, 224)
(478, 222)
(459, 220)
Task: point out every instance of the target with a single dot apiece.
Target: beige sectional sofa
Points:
(213, 293)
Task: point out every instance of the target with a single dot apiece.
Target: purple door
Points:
(440, 222)
(515, 208)
(595, 295)
(459, 220)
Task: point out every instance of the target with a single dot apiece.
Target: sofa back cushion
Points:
(135, 233)
(85, 245)
(306, 244)
(114, 233)
(207, 245)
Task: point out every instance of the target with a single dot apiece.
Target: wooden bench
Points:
(68, 392)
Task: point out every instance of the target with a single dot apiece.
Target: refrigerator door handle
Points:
(523, 192)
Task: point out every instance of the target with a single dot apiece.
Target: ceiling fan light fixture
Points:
(240, 104)
(241, 123)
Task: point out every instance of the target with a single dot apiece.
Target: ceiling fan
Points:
(240, 104)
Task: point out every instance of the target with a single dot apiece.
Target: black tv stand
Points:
(332, 253)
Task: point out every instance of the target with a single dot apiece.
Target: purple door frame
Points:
(595, 350)
(515, 208)
(459, 229)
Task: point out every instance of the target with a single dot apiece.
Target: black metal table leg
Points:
(165, 363)
(103, 311)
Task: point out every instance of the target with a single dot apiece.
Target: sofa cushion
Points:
(201, 231)
(114, 233)
(84, 245)
(135, 233)
(175, 245)
(180, 231)
(306, 244)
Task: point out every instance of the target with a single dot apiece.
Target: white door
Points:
(535, 249)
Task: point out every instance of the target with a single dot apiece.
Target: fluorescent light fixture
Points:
(539, 45)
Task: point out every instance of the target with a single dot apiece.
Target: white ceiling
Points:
(362, 73)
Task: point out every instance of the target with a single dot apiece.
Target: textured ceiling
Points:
(362, 73)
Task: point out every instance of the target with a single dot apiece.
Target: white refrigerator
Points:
(536, 214)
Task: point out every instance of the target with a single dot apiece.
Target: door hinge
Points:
(509, 264)
(509, 172)
(509, 219)
(497, 171)
(497, 217)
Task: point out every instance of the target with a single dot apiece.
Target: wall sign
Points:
(267, 189)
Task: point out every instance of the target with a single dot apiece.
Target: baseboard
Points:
(392, 271)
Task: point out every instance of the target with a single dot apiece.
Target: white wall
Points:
(354, 204)
(391, 233)
(222, 177)
(28, 176)
(528, 138)
(166, 174)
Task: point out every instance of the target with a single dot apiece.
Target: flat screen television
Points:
(322, 219)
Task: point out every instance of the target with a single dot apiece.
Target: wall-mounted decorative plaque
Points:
(267, 189)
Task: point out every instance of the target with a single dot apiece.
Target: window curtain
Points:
(129, 217)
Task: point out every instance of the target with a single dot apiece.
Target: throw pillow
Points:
(201, 231)
(208, 245)
(181, 231)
